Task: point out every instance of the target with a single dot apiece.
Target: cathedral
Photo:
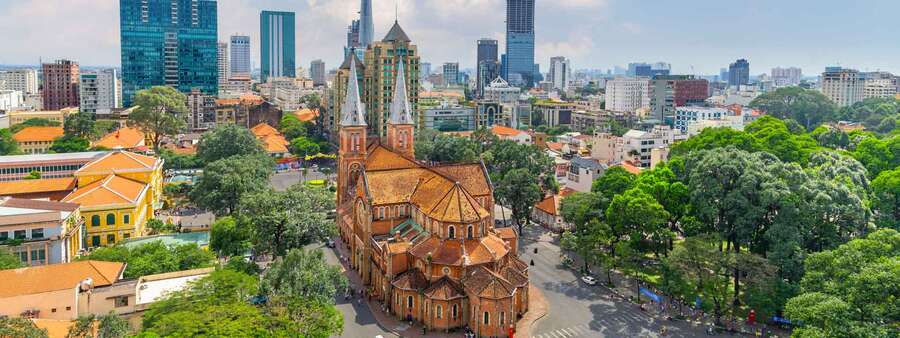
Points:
(422, 236)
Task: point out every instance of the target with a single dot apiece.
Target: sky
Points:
(695, 36)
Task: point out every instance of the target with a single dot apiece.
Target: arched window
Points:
(451, 232)
(95, 220)
(409, 302)
(126, 219)
(453, 311)
(486, 318)
(470, 232)
(438, 312)
(110, 219)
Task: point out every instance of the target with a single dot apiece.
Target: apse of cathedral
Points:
(422, 236)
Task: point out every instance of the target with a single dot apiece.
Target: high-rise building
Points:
(424, 70)
(382, 59)
(843, 86)
(60, 86)
(169, 42)
(317, 72)
(739, 73)
(560, 72)
(786, 76)
(668, 92)
(277, 44)
(486, 57)
(518, 65)
(99, 91)
(627, 94)
(366, 24)
(879, 85)
(451, 73)
(723, 74)
(240, 57)
(488, 70)
(222, 65)
(21, 80)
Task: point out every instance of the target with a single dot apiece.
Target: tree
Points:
(79, 125)
(303, 274)
(291, 127)
(435, 147)
(773, 136)
(580, 208)
(886, 202)
(224, 182)
(303, 146)
(70, 144)
(33, 175)
(711, 138)
(157, 226)
(519, 191)
(289, 219)
(33, 122)
(177, 161)
(226, 141)
(154, 258)
(614, 181)
(228, 237)
(807, 106)
(851, 291)
(107, 326)
(20, 328)
(158, 114)
(8, 145)
(640, 217)
(8, 260)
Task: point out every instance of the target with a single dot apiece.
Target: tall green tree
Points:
(303, 146)
(159, 114)
(639, 216)
(33, 122)
(614, 181)
(886, 202)
(8, 145)
(70, 144)
(224, 182)
(288, 219)
(154, 258)
(20, 328)
(519, 191)
(226, 141)
(807, 106)
(303, 274)
(109, 325)
(79, 125)
(8, 260)
(230, 236)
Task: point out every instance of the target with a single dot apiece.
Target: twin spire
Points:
(354, 112)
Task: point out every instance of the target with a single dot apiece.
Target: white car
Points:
(588, 280)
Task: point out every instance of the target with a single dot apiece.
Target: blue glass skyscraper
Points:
(519, 61)
(168, 42)
(277, 44)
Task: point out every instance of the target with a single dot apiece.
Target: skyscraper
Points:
(240, 56)
(60, 88)
(382, 60)
(843, 86)
(486, 63)
(366, 24)
(222, 66)
(99, 91)
(277, 44)
(317, 72)
(739, 73)
(560, 72)
(519, 57)
(790, 76)
(168, 42)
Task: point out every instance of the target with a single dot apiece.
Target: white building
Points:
(222, 65)
(685, 116)
(560, 73)
(500, 91)
(582, 173)
(240, 56)
(783, 77)
(10, 100)
(286, 92)
(100, 92)
(879, 85)
(627, 94)
(843, 86)
(46, 231)
(22, 80)
(449, 117)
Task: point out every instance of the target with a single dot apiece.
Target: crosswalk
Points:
(583, 330)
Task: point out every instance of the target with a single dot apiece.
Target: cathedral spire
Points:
(400, 112)
(353, 113)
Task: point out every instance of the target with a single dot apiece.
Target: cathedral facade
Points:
(422, 236)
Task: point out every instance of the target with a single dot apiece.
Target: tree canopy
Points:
(154, 258)
(284, 220)
(224, 182)
(227, 140)
(159, 113)
(807, 106)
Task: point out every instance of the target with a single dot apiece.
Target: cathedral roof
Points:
(460, 252)
(444, 289)
(352, 59)
(380, 158)
(400, 111)
(487, 284)
(411, 280)
(353, 113)
(458, 206)
(396, 34)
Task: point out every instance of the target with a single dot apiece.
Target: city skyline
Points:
(704, 34)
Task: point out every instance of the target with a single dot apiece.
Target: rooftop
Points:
(125, 138)
(38, 134)
(36, 186)
(82, 156)
(55, 277)
(112, 190)
(120, 161)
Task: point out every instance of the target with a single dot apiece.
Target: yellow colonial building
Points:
(118, 193)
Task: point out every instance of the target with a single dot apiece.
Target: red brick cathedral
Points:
(422, 237)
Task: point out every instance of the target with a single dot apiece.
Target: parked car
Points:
(589, 280)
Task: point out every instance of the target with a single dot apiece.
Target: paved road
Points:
(281, 181)
(358, 320)
(578, 310)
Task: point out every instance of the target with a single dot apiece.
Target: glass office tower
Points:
(519, 62)
(277, 51)
(168, 42)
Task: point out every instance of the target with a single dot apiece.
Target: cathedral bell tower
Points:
(352, 134)
(400, 126)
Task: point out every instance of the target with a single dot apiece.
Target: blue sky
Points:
(696, 36)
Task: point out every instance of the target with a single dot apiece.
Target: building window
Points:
(38, 256)
(19, 234)
(121, 301)
(95, 220)
(470, 232)
(4, 236)
(502, 319)
(438, 312)
(127, 235)
(110, 219)
(409, 302)
(486, 318)
(110, 239)
(453, 311)
(451, 232)
(95, 241)
(126, 219)
(37, 233)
